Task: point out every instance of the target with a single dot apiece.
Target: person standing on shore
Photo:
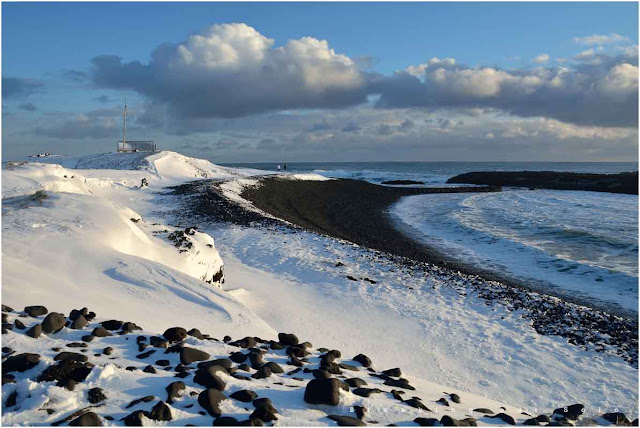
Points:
(278, 167)
(284, 167)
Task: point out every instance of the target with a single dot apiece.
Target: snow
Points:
(81, 231)
(430, 330)
(122, 386)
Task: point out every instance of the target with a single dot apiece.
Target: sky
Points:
(262, 82)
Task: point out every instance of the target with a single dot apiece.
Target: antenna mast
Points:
(124, 124)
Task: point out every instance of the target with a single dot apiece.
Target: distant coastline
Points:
(625, 183)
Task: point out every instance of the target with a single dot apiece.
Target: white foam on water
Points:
(584, 243)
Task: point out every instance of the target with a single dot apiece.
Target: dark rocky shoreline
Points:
(202, 202)
(625, 182)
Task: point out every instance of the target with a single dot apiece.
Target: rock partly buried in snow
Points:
(74, 356)
(158, 342)
(207, 377)
(137, 401)
(191, 355)
(20, 363)
(264, 411)
(247, 342)
(79, 322)
(448, 421)
(485, 411)
(619, 419)
(346, 421)
(274, 367)
(416, 404)
(355, 382)
(426, 422)
(100, 332)
(226, 421)
(225, 363)
(400, 383)
(455, 398)
(256, 359)
(244, 395)
(366, 392)
(196, 333)
(443, 401)
(53, 322)
(174, 389)
(35, 331)
(506, 418)
(161, 412)
(287, 339)
(112, 324)
(572, 412)
(238, 357)
(393, 372)
(175, 334)
(67, 372)
(35, 311)
(136, 418)
(363, 359)
(96, 395)
(210, 400)
(262, 373)
(323, 391)
(88, 419)
(145, 354)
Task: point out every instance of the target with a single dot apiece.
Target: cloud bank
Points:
(601, 93)
(232, 70)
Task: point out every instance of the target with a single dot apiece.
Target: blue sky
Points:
(43, 41)
(396, 35)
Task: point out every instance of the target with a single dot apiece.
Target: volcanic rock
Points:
(210, 399)
(175, 334)
(53, 322)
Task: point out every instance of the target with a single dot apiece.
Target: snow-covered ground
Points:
(84, 231)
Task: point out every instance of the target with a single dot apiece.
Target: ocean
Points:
(582, 244)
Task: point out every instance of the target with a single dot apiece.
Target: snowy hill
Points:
(77, 228)
(100, 231)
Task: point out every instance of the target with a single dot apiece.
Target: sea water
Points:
(575, 243)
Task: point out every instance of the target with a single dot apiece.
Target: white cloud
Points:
(585, 55)
(620, 81)
(601, 39)
(541, 59)
(419, 70)
(596, 90)
(232, 70)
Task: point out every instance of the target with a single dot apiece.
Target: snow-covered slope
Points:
(69, 232)
(165, 165)
(98, 231)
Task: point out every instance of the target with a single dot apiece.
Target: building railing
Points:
(136, 146)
